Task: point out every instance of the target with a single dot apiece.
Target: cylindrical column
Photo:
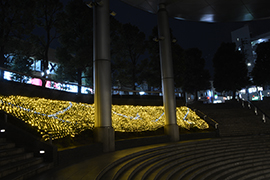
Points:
(171, 127)
(103, 131)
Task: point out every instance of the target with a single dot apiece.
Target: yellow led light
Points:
(58, 119)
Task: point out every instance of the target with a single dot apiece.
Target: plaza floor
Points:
(89, 168)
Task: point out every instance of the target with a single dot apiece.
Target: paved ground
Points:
(88, 169)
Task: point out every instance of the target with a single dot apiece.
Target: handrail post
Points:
(256, 111)
(264, 119)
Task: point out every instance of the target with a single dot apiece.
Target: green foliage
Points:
(21, 64)
(16, 21)
(195, 76)
(128, 46)
(260, 72)
(230, 68)
(20, 60)
(46, 19)
(151, 68)
(179, 66)
(76, 37)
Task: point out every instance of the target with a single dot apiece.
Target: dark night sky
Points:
(205, 36)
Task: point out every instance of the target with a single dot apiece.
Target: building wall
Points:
(241, 37)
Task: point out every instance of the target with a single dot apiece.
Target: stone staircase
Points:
(16, 163)
(235, 158)
(233, 119)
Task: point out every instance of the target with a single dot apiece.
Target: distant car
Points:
(219, 99)
(216, 99)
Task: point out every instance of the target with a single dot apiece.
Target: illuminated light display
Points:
(58, 119)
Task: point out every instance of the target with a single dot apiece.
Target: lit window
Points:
(248, 64)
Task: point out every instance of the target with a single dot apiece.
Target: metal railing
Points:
(256, 109)
(206, 118)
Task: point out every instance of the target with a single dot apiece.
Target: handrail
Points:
(212, 120)
(257, 110)
(205, 117)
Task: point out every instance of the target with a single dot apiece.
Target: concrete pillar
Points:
(103, 131)
(171, 127)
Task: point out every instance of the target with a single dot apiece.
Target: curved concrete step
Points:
(175, 164)
(112, 168)
(182, 170)
(230, 166)
(242, 151)
(138, 166)
(187, 159)
(215, 162)
(119, 167)
(205, 159)
(210, 171)
(248, 172)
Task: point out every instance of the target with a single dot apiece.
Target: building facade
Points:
(247, 44)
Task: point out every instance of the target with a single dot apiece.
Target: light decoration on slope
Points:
(58, 119)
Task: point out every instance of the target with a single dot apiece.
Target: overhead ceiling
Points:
(208, 10)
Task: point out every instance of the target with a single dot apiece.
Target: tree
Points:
(46, 19)
(128, 48)
(260, 72)
(76, 37)
(16, 22)
(20, 59)
(22, 64)
(179, 66)
(115, 30)
(230, 70)
(195, 76)
(151, 67)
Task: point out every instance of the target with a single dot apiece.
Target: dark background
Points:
(205, 36)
